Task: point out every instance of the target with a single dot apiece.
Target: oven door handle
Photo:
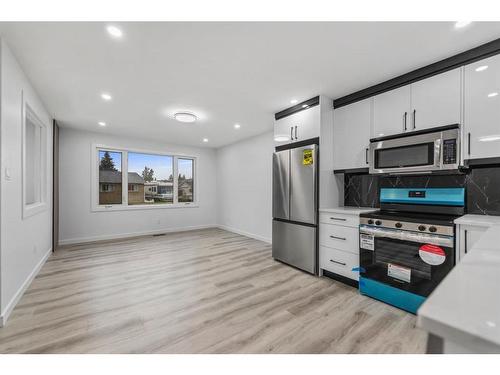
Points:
(424, 238)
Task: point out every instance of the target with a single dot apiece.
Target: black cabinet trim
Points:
(297, 108)
(352, 171)
(483, 162)
(306, 142)
(417, 132)
(478, 53)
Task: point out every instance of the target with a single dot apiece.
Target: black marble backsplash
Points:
(482, 187)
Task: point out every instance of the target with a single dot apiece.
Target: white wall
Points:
(244, 187)
(24, 243)
(78, 223)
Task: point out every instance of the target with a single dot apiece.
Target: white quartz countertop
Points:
(465, 307)
(480, 220)
(347, 210)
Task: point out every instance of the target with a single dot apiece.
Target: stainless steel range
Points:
(408, 247)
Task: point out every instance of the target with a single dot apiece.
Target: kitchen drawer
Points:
(339, 219)
(339, 262)
(339, 237)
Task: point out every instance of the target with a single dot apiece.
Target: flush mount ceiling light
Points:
(106, 96)
(492, 94)
(305, 106)
(237, 126)
(481, 68)
(185, 117)
(102, 123)
(461, 24)
(294, 101)
(205, 140)
(114, 31)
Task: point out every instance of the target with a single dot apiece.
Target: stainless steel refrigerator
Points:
(295, 205)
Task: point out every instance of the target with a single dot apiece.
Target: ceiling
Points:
(226, 73)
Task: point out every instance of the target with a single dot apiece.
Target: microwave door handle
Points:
(437, 153)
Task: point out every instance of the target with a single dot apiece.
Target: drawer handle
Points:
(338, 218)
(334, 261)
(338, 238)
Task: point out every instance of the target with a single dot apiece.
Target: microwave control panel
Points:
(450, 151)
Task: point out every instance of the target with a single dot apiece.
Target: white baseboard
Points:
(246, 234)
(4, 316)
(82, 240)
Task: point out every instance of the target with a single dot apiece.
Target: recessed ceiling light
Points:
(304, 106)
(481, 68)
(185, 117)
(461, 24)
(237, 126)
(294, 101)
(205, 140)
(114, 31)
(492, 94)
(281, 138)
(102, 123)
(106, 96)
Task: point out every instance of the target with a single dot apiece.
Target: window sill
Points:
(108, 208)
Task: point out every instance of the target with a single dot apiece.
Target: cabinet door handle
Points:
(337, 218)
(468, 143)
(414, 119)
(338, 238)
(291, 133)
(334, 261)
(366, 156)
(295, 131)
(404, 120)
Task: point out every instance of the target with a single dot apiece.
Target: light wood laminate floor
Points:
(205, 291)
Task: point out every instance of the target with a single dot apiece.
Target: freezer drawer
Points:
(303, 197)
(295, 244)
(281, 184)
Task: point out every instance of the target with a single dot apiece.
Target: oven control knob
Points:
(378, 222)
(398, 225)
(370, 221)
(432, 229)
(421, 228)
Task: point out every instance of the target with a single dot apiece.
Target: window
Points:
(34, 163)
(152, 180)
(110, 177)
(185, 180)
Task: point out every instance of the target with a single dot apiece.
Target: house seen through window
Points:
(110, 177)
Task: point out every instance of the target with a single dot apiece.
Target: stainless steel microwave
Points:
(428, 150)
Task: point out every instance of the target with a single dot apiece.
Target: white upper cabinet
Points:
(482, 109)
(391, 112)
(297, 127)
(435, 101)
(428, 103)
(351, 135)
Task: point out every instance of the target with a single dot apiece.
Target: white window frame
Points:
(41, 205)
(124, 206)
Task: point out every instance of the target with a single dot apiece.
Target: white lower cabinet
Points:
(468, 235)
(339, 243)
(339, 262)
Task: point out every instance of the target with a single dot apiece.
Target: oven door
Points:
(411, 261)
(408, 154)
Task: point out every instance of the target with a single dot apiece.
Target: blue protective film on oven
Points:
(388, 294)
(430, 196)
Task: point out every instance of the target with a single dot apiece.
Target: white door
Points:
(435, 101)
(482, 109)
(351, 135)
(391, 112)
